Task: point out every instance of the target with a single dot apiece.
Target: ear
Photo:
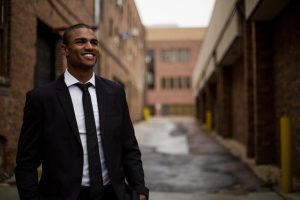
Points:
(64, 50)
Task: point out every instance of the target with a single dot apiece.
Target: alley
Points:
(183, 163)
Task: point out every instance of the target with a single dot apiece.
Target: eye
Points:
(79, 41)
(94, 42)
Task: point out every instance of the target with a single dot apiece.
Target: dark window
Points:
(2, 144)
(188, 82)
(4, 29)
(163, 83)
(150, 77)
(45, 52)
(171, 83)
(180, 83)
(110, 27)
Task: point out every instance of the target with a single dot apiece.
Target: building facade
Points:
(30, 39)
(171, 58)
(247, 77)
(123, 50)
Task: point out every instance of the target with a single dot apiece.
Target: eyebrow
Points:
(85, 39)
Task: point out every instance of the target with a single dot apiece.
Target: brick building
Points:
(247, 76)
(123, 50)
(30, 38)
(171, 57)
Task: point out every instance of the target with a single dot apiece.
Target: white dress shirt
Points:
(76, 96)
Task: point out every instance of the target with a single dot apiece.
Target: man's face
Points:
(82, 50)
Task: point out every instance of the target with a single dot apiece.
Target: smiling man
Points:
(78, 127)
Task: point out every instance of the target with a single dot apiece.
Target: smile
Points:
(88, 55)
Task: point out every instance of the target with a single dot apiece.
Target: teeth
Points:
(88, 55)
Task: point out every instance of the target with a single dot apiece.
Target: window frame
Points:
(4, 45)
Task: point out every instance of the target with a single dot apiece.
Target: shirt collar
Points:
(71, 80)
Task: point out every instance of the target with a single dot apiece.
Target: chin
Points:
(88, 65)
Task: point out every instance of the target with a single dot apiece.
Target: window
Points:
(4, 70)
(184, 55)
(45, 54)
(168, 83)
(163, 83)
(2, 144)
(150, 69)
(171, 83)
(188, 82)
(110, 27)
(177, 83)
(175, 55)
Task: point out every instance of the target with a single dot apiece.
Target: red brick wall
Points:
(264, 127)
(248, 88)
(224, 103)
(123, 58)
(22, 53)
(286, 45)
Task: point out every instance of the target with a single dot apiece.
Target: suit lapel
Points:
(102, 98)
(66, 102)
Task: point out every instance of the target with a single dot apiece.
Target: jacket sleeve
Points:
(29, 149)
(131, 154)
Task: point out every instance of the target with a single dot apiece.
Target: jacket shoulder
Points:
(43, 90)
(110, 86)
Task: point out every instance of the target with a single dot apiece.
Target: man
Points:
(78, 127)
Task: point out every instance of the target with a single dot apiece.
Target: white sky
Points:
(184, 13)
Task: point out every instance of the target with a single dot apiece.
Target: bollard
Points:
(208, 121)
(146, 113)
(40, 170)
(286, 161)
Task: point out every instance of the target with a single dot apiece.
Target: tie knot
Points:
(84, 86)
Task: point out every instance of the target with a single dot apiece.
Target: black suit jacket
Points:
(49, 136)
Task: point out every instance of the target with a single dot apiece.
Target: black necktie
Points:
(95, 172)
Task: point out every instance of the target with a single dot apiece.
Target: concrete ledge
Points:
(195, 196)
(269, 173)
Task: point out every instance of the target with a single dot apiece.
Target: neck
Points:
(82, 75)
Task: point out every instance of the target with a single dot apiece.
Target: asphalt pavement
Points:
(182, 162)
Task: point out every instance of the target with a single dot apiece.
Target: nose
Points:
(88, 45)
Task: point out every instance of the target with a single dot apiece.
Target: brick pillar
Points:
(197, 109)
(213, 109)
(202, 106)
(208, 98)
(248, 88)
(224, 102)
(263, 93)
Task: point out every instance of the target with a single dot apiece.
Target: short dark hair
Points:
(65, 37)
